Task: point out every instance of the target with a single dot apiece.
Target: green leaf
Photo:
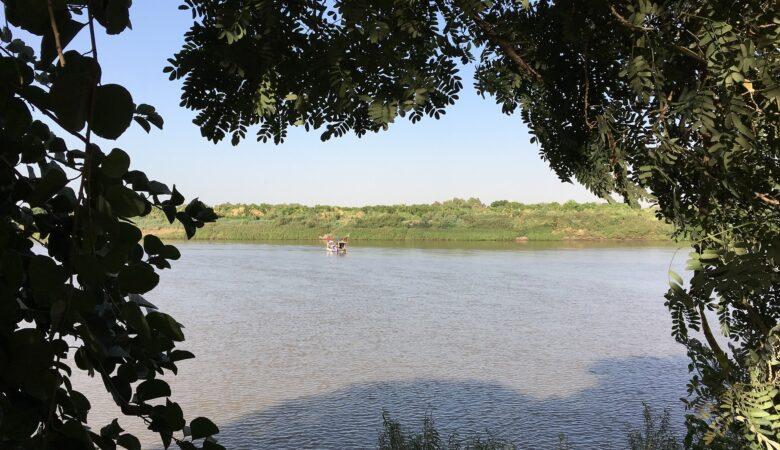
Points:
(113, 111)
(17, 117)
(138, 278)
(151, 389)
(157, 188)
(180, 355)
(211, 445)
(136, 319)
(153, 245)
(170, 252)
(165, 324)
(172, 414)
(29, 355)
(72, 89)
(75, 430)
(125, 202)
(89, 268)
(46, 277)
(52, 181)
(115, 164)
(128, 233)
(111, 430)
(144, 123)
(201, 427)
(115, 16)
(129, 442)
(140, 301)
(145, 109)
(156, 120)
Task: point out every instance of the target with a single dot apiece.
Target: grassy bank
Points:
(453, 220)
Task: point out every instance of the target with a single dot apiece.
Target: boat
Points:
(335, 244)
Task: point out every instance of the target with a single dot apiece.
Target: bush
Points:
(392, 437)
(657, 434)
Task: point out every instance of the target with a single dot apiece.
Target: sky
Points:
(473, 151)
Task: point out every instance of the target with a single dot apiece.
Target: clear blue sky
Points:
(473, 151)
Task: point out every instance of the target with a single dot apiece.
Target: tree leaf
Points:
(136, 319)
(129, 442)
(72, 88)
(151, 389)
(113, 111)
(115, 164)
(125, 202)
(153, 245)
(201, 427)
(138, 278)
(165, 324)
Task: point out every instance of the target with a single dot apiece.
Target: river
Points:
(300, 349)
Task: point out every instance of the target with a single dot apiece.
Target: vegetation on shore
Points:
(453, 220)
(656, 433)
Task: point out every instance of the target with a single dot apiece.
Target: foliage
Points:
(73, 266)
(656, 435)
(672, 102)
(752, 403)
(393, 437)
(452, 220)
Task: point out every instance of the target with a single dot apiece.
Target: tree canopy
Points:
(675, 103)
(73, 266)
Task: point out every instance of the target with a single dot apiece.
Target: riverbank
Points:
(453, 220)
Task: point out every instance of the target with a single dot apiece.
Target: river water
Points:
(300, 349)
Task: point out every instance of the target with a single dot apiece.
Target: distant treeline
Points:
(456, 220)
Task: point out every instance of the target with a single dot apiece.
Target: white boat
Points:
(334, 244)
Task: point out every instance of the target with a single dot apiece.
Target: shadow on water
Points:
(595, 417)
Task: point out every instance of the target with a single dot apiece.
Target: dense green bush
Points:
(450, 220)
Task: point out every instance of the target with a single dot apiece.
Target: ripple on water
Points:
(296, 349)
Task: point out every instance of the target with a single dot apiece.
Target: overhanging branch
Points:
(679, 48)
(56, 33)
(767, 199)
(507, 48)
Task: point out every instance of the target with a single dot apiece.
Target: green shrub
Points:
(456, 220)
(656, 434)
(393, 437)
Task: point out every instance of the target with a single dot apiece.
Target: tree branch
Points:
(623, 21)
(767, 199)
(57, 121)
(586, 94)
(679, 48)
(688, 52)
(507, 48)
(719, 353)
(56, 33)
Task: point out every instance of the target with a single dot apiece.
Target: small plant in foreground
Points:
(657, 434)
(393, 437)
